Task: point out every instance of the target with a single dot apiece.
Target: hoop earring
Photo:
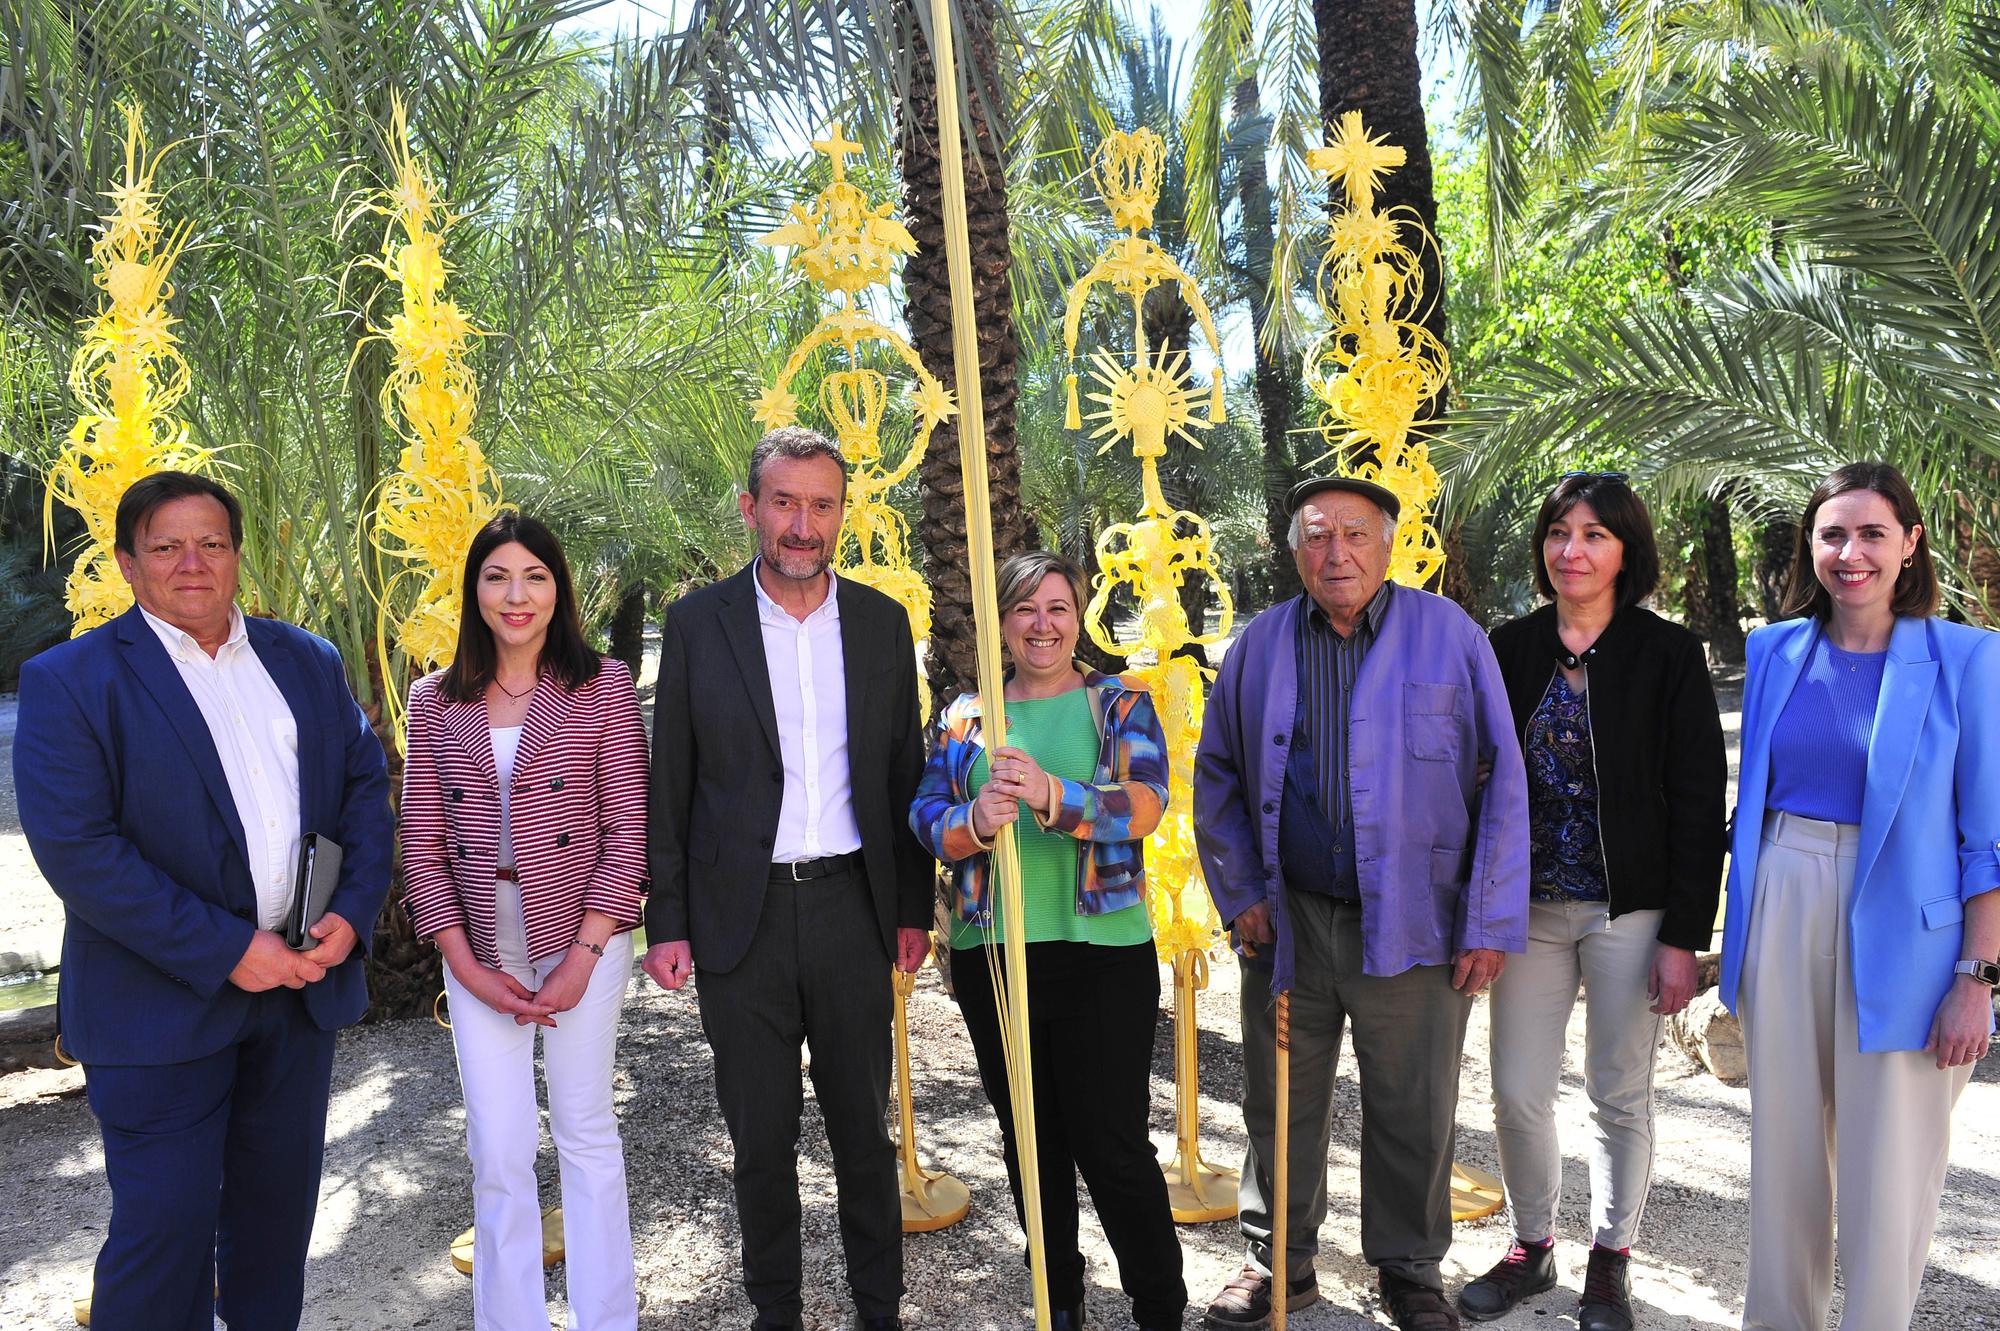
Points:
(1910, 562)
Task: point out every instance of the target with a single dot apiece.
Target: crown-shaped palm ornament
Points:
(845, 244)
(1377, 364)
(1144, 398)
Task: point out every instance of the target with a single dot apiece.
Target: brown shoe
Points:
(1245, 1302)
(1415, 1307)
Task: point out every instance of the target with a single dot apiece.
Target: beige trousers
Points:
(1825, 1118)
(1572, 942)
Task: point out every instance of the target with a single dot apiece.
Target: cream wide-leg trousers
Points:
(1825, 1118)
(496, 1066)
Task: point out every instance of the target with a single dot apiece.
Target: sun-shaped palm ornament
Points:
(845, 244)
(1146, 398)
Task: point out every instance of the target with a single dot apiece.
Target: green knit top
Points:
(1061, 734)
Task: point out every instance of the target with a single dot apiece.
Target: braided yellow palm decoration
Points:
(443, 490)
(1377, 364)
(127, 377)
(1144, 400)
(845, 245)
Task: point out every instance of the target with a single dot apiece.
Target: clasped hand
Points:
(1015, 777)
(560, 992)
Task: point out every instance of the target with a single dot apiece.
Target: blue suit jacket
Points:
(1930, 814)
(130, 818)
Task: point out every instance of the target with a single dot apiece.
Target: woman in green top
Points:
(1087, 766)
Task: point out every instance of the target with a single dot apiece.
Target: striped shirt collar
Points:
(1371, 614)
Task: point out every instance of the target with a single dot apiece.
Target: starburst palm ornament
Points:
(1377, 365)
(845, 244)
(1144, 400)
(442, 490)
(127, 377)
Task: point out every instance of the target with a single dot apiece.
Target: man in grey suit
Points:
(785, 755)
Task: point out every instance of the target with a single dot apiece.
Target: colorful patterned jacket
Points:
(1111, 818)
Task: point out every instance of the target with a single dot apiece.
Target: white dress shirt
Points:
(257, 739)
(809, 693)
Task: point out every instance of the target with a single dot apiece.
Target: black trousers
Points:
(1091, 1018)
(815, 974)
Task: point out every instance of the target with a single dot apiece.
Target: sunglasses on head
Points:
(1594, 476)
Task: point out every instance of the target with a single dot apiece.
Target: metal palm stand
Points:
(932, 1199)
(1196, 1190)
(1475, 1194)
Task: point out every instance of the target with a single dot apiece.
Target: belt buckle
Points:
(796, 876)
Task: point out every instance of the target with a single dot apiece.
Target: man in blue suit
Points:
(168, 765)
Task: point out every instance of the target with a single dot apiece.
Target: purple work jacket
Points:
(1443, 864)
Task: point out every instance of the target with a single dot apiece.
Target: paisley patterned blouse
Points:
(1566, 857)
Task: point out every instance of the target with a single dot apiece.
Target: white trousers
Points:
(1568, 942)
(1825, 1118)
(496, 1066)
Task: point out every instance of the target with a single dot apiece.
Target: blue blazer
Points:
(130, 818)
(1930, 814)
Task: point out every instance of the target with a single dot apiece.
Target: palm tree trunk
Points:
(951, 664)
(1713, 612)
(1775, 540)
(628, 628)
(1276, 377)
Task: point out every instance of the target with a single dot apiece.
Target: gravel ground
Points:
(396, 1190)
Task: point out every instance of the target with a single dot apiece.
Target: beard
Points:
(801, 564)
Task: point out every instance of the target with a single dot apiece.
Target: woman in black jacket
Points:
(1626, 776)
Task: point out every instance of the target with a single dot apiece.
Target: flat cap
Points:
(1381, 496)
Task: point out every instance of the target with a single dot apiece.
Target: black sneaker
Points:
(1524, 1271)
(1607, 1292)
(1415, 1307)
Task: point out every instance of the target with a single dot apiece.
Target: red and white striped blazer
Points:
(576, 813)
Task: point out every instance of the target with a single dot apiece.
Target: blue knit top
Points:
(1819, 748)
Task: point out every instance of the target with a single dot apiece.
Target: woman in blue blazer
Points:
(1863, 921)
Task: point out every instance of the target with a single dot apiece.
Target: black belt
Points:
(826, 866)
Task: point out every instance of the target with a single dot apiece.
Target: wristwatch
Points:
(1986, 972)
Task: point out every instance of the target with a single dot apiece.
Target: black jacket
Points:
(1661, 770)
(718, 776)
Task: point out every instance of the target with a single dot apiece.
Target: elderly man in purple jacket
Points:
(1362, 815)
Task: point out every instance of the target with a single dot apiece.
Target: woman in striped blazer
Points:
(524, 859)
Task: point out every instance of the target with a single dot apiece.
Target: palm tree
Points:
(1874, 332)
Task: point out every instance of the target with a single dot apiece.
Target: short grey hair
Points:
(1297, 530)
(794, 441)
(1023, 573)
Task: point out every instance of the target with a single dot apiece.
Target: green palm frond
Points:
(1223, 48)
(1288, 57)
(1887, 182)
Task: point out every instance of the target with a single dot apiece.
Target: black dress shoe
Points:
(1066, 1319)
(881, 1324)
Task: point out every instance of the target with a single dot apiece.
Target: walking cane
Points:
(1281, 1168)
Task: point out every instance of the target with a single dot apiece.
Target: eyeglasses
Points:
(1619, 476)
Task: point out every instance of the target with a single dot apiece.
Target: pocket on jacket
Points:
(1943, 912)
(1431, 721)
(702, 847)
(1448, 874)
